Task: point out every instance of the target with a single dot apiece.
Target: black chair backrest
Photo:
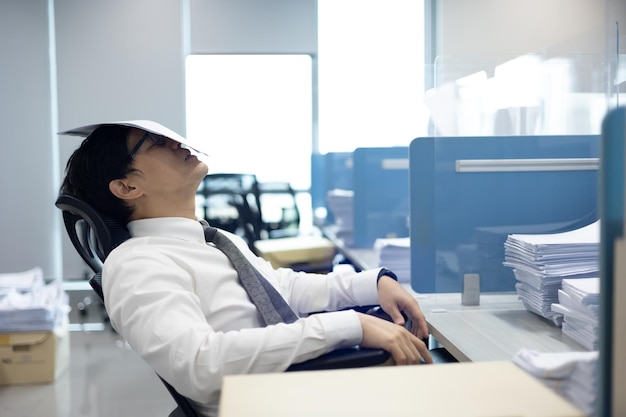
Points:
(94, 236)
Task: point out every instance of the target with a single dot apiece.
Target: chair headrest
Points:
(93, 235)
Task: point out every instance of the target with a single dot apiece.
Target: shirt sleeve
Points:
(311, 293)
(161, 317)
(308, 293)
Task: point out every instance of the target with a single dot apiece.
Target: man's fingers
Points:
(410, 351)
(397, 317)
(420, 329)
(404, 347)
(424, 352)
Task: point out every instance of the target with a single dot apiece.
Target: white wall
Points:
(117, 60)
(480, 33)
(252, 26)
(518, 27)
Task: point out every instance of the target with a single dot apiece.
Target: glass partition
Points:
(513, 147)
(523, 95)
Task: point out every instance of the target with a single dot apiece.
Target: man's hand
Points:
(394, 300)
(404, 347)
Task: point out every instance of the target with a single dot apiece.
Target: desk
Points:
(485, 389)
(494, 330)
(360, 258)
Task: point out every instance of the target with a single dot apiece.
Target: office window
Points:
(254, 112)
(371, 73)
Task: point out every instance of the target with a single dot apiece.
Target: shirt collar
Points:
(173, 227)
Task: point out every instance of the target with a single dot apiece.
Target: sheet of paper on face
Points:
(147, 125)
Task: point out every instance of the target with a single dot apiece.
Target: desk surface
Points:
(494, 330)
(485, 389)
(361, 258)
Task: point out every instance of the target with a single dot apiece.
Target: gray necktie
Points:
(270, 303)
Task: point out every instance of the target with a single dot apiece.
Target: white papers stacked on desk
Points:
(27, 304)
(579, 305)
(340, 203)
(573, 375)
(21, 281)
(395, 254)
(542, 261)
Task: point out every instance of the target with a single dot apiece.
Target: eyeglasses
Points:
(157, 140)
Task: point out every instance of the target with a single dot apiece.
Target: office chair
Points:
(279, 210)
(94, 236)
(231, 202)
(254, 210)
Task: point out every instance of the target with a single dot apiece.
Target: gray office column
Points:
(28, 218)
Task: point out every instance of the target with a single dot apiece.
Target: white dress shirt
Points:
(178, 302)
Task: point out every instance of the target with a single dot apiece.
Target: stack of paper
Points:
(27, 304)
(488, 252)
(579, 304)
(573, 375)
(542, 261)
(395, 254)
(21, 281)
(340, 203)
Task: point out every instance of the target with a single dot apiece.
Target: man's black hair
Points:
(102, 157)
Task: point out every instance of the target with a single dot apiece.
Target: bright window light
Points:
(254, 114)
(371, 73)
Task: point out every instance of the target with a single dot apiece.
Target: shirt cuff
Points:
(342, 328)
(386, 272)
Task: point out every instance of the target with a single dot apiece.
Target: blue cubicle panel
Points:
(469, 193)
(329, 171)
(381, 194)
(611, 228)
(338, 171)
(318, 195)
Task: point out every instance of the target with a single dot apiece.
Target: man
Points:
(178, 301)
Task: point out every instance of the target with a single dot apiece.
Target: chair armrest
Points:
(352, 357)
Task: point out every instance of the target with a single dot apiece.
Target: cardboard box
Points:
(34, 357)
(313, 251)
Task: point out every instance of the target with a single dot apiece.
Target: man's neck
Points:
(154, 209)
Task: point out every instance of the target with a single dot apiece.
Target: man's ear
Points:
(123, 189)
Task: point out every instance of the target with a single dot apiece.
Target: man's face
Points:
(161, 166)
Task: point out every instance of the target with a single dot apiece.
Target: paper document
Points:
(541, 262)
(395, 254)
(574, 375)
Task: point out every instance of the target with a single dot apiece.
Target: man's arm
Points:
(369, 287)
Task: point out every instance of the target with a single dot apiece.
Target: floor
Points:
(105, 379)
